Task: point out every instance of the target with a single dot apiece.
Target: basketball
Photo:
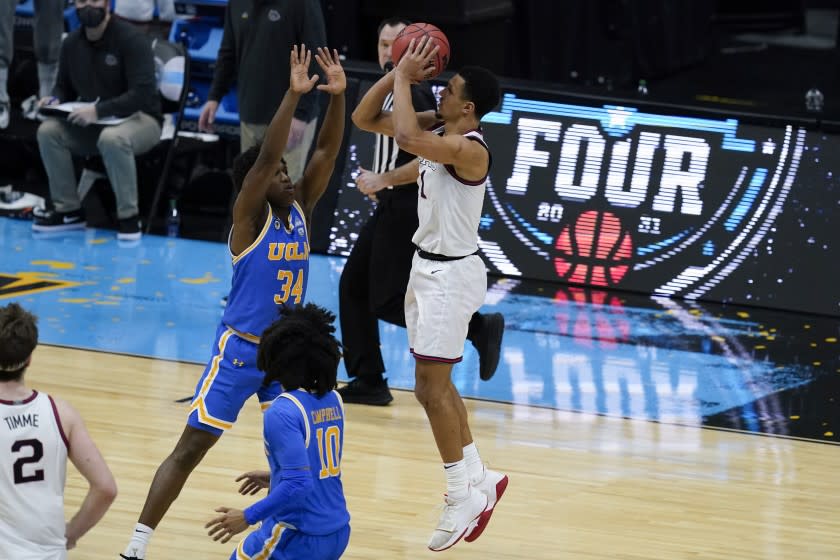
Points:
(595, 249)
(418, 31)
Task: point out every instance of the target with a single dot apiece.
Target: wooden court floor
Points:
(582, 486)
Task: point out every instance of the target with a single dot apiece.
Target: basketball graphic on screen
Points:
(595, 249)
(418, 31)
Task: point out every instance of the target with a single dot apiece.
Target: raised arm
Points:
(249, 208)
(318, 171)
(86, 458)
(369, 115)
(311, 29)
(469, 158)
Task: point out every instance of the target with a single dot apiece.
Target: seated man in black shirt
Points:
(108, 64)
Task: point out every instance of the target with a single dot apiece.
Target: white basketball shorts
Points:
(440, 300)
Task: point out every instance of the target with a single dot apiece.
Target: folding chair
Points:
(172, 63)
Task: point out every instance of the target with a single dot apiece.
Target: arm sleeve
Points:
(139, 64)
(225, 71)
(311, 31)
(284, 433)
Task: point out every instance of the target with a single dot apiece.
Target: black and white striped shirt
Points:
(386, 151)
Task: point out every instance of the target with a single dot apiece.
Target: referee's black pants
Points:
(374, 281)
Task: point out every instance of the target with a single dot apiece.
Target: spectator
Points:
(142, 14)
(108, 64)
(48, 26)
(254, 34)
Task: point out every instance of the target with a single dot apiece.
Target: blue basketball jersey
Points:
(320, 422)
(272, 272)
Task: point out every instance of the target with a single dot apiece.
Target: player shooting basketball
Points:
(448, 279)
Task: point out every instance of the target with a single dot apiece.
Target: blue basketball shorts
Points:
(273, 542)
(230, 378)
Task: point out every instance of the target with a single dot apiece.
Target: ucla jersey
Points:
(273, 271)
(321, 422)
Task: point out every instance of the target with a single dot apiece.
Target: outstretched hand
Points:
(231, 522)
(333, 72)
(254, 482)
(417, 63)
(299, 80)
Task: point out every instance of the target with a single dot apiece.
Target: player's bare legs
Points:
(465, 508)
(434, 390)
(172, 474)
(466, 435)
(490, 483)
(169, 479)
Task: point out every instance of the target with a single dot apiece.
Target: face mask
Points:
(90, 16)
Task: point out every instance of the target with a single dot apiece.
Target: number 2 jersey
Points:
(272, 271)
(33, 465)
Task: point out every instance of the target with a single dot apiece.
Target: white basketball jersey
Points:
(33, 465)
(448, 207)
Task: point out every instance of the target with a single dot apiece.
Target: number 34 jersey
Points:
(33, 465)
(272, 272)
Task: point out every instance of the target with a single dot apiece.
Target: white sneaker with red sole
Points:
(458, 519)
(493, 486)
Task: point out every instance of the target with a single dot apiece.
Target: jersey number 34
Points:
(290, 285)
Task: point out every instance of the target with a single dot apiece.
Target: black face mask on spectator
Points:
(90, 16)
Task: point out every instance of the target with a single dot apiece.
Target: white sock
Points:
(457, 481)
(475, 468)
(139, 541)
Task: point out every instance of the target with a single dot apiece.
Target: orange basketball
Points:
(418, 31)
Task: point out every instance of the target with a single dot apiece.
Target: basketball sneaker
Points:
(459, 519)
(362, 391)
(129, 229)
(58, 221)
(132, 553)
(493, 486)
(18, 204)
(488, 343)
